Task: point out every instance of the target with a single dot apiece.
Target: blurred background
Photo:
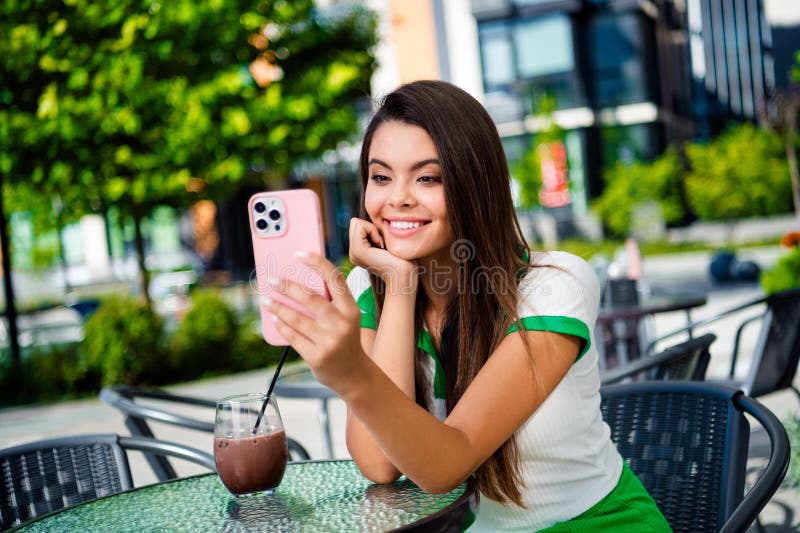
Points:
(133, 133)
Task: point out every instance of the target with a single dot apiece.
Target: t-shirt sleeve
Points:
(360, 288)
(560, 293)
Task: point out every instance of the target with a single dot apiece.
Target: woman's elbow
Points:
(379, 471)
(438, 486)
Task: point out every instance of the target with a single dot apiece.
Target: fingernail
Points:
(273, 317)
(302, 254)
(266, 300)
(273, 281)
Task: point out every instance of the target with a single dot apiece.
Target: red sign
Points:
(555, 177)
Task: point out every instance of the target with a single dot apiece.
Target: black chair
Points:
(777, 351)
(47, 475)
(687, 361)
(136, 415)
(687, 442)
(621, 292)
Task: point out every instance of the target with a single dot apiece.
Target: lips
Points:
(405, 227)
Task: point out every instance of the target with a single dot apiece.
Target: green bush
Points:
(630, 185)
(741, 173)
(784, 275)
(47, 373)
(205, 339)
(251, 350)
(122, 343)
(54, 369)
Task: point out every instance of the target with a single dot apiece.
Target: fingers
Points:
(375, 235)
(362, 231)
(313, 335)
(298, 320)
(279, 314)
(333, 278)
(314, 302)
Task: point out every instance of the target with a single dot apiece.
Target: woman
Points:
(456, 350)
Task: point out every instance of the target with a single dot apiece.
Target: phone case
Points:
(300, 229)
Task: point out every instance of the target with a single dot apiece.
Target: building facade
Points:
(628, 77)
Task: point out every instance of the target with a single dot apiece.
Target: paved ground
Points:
(676, 273)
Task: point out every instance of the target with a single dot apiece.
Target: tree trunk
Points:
(109, 240)
(144, 275)
(61, 254)
(11, 308)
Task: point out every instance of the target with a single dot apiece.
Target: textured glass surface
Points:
(313, 497)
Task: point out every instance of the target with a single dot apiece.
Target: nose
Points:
(401, 195)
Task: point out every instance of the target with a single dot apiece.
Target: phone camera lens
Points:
(274, 214)
(260, 208)
(277, 228)
(262, 224)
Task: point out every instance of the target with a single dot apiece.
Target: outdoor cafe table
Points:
(314, 496)
(619, 326)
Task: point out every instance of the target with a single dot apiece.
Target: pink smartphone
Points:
(281, 223)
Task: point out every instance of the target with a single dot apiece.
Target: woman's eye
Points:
(430, 179)
(380, 178)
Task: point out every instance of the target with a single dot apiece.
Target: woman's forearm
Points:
(393, 349)
(392, 352)
(408, 437)
(437, 455)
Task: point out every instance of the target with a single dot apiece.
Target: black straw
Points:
(271, 386)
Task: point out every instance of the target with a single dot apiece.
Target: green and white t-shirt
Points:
(568, 460)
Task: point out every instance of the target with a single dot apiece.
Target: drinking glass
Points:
(249, 458)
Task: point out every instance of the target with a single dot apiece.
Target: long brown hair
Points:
(489, 248)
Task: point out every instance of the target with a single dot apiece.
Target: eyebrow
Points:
(415, 166)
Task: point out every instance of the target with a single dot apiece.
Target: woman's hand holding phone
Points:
(330, 342)
(367, 251)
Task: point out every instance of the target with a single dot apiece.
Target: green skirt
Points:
(627, 508)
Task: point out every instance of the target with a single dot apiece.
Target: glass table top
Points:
(314, 496)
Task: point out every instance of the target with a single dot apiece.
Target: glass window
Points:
(503, 106)
(530, 2)
(525, 59)
(617, 48)
(544, 46)
(497, 55)
(487, 5)
(627, 143)
(515, 148)
(561, 87)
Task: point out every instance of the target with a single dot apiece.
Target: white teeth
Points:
(399, 224)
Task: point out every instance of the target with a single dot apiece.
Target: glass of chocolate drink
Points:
(250, 450)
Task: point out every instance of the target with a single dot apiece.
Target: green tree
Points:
(741, 173)
(139, 104)
(633, 184)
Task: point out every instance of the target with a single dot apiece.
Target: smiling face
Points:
(404, 195)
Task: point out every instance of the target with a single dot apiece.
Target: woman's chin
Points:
(405, 253)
